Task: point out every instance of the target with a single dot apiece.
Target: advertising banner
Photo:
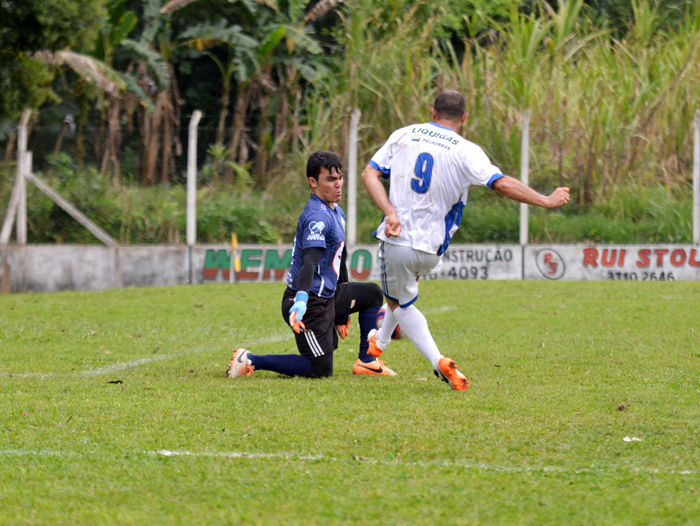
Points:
(613, 262)
(272, 262)
(41, 268)
(481, 262)
(499, 262)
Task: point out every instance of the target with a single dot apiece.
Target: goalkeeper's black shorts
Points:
(320, 337)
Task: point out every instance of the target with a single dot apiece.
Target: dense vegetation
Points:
(611, 87)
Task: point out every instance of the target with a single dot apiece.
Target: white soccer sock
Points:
(415, 326)
(387, 329)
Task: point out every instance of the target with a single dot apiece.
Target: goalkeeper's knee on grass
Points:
(322, 366)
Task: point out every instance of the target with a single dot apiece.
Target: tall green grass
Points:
(138, 215)
(606, 112)
(630, 214)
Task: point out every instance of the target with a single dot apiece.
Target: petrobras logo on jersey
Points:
(434, 134)
(415, 138)
(316, 228)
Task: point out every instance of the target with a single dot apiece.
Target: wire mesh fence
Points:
(59, 144)
(80, 165)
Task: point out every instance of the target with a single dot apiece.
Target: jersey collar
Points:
(443, 127)
(322, 203)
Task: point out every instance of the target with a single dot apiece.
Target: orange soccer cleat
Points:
(374, 349)
(448, 372)
(240, 364)
(374, 368)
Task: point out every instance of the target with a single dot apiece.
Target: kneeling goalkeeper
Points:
(319, 300)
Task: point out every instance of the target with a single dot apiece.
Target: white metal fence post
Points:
(696, 180)
(351, 227)
(21, 171)
(9, 222)
(524, 176)
(27, 172)
(192, 189)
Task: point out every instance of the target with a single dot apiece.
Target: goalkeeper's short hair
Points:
(323, 159)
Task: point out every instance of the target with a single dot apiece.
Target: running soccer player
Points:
(319, 298)
(430, 167)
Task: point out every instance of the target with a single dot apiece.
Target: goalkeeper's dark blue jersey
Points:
(319, 226)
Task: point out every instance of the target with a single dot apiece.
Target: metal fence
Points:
(87, 149)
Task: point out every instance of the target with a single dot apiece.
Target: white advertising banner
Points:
(613, 262)
(67, 267)
(481, 262)
(272, 262)
(501, 262)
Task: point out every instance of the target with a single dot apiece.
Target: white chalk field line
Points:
(103, 370)
(30, 453)
(137, 362)
(478, 466)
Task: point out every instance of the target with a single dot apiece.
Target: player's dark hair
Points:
(450, 105)
(323, 159)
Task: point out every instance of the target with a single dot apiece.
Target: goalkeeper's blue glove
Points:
(296, 313)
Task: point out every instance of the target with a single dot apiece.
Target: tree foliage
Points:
(30, 25)
(610, 83)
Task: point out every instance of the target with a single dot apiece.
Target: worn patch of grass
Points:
(93, 385)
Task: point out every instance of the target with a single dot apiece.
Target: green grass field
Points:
(115, 409)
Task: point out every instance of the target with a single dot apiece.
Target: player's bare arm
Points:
(375, 188)
(517, 191)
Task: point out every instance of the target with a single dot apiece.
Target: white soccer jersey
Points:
(431, 169)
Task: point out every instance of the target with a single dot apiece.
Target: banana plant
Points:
(289, 57)
(269, 59)
(150, 55)
(240, 58)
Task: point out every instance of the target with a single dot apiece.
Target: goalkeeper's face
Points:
(329, 187)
